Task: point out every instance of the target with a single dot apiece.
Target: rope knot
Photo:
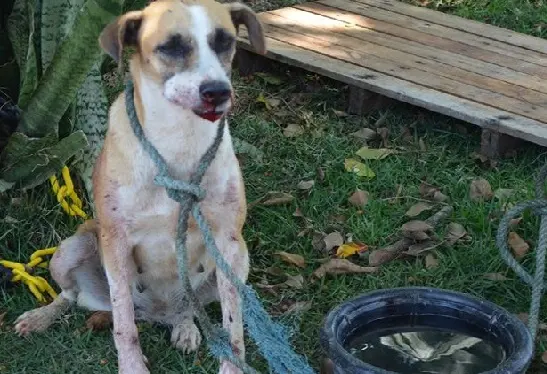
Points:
(176, 189)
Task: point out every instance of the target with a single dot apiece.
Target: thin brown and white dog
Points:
(124, 261)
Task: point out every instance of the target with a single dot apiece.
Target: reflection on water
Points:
(426, 350)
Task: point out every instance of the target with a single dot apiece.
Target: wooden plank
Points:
(459, 23)
(401, 90)
(339, 34)
(405, 71)
(432, 40)
(450, 33)
(434, 54)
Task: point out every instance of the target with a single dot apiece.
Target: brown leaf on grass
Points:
(298, 213)
(293, 130)
(277, 198)
(431, 261)
(320, 174)
(524, 318)
(419, 248)
(421, 143)
(359, 198)
(341, 266)
(292, 258)
(384, 135)
(365, 134)
(428, 191)
(417, 209)
(503, 193)
(416, 226)
(480, 189)
(454, 232)
(332, 240)
(317, 241)
(339, 113)
(2, 318)
(518, 245)
(544, 357)
(350, 249)
(298, 307)
(295, 281)
(305, 185)
(99, 321)
(496, 277)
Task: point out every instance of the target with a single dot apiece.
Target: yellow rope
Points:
(37, 285)
(74, 208)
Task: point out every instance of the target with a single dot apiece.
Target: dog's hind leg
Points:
(76, 268)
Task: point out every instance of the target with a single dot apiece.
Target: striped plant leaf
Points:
(21, 32)
(69, 67)
(28, 162)
(91, 118)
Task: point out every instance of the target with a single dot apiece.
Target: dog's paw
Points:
(36, 320)
(186, 337)
(228, 368)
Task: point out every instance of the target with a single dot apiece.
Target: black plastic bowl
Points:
(428, 307)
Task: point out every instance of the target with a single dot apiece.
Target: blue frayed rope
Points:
(270, 337)
(535, 281)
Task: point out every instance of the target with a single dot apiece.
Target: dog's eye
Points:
(222, 41)
(175, 47)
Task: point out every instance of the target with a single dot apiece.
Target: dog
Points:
(124, 260)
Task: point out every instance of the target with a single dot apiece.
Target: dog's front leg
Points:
(116, 259)
(234, 250)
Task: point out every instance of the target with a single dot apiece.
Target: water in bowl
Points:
(426, 350)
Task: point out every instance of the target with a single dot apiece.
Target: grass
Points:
(36, 221)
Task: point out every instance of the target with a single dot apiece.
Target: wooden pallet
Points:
(488, 76)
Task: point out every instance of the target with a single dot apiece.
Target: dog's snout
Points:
(215, 92)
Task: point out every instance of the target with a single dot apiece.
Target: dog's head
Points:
(186, 48)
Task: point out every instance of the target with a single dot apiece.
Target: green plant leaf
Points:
(91, 118)
(69, 68)
(21, 33)
(374, 153)
(29, 162)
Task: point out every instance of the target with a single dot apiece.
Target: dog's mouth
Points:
(211, 112)
(209, 115)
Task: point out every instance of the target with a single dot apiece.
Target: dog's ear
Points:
(120, 33)
(242, 14)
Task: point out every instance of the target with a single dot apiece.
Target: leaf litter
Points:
(292, 258)
(337, 266)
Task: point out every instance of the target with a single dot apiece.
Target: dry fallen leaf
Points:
(365, 134)
(359, 198)
(480, 189)
(524, 318)
(293, 130)
(367, 153)
(518, 245)
(99, 321)
(503, 193)
(2, 317)
(305, 185)
(421, 247)
(428, 191)
(497, 277)
(356, 167)
(418, 208)
(339, 113)
(350, 249)
(277, 198)
(298, 307)
(454, 232)
(416, 226)
(544, 357)
(292, 258)
(295, 281)
(431, 261)
(332, 240)
(515, 221)
(342, 266)
(421, 143)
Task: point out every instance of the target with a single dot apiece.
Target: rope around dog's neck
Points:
(270, 337)
(538, 207)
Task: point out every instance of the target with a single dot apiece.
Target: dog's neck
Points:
(179, 135)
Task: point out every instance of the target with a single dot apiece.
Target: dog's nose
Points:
(215, 92)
